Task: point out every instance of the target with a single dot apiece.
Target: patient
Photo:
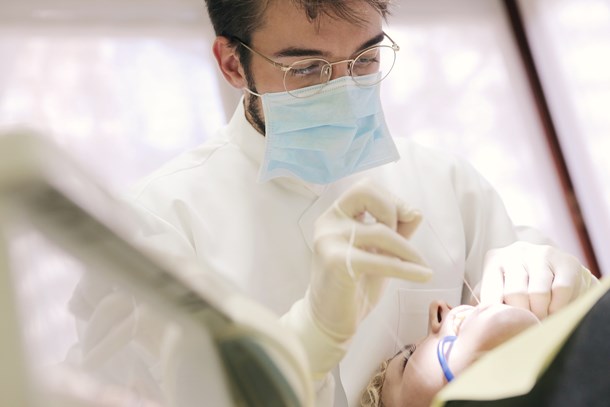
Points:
(457, 337)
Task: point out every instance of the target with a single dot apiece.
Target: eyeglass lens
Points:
(310, 72)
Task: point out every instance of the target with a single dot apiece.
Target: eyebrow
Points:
(401, 351)
(404, 348)
(308, 52)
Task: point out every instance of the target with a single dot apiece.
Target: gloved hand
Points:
(540, 278)
(358, 243)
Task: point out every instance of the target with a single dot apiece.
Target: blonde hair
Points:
(371, 397)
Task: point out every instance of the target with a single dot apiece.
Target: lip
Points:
(467, 312)
(461, 314)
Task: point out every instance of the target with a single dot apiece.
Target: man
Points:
(310, 126)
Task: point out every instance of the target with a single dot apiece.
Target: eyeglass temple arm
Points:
(395, 46)
(283, 67)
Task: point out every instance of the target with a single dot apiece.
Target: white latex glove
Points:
(536, 277)
(347, 282)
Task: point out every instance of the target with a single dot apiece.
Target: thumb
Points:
(409, 219)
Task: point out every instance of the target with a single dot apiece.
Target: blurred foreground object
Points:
(248, 358)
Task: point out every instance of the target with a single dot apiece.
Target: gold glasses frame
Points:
(327, 69)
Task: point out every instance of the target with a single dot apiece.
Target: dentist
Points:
(310, 126)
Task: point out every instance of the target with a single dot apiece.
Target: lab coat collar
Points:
(324, 201)
(252, 143)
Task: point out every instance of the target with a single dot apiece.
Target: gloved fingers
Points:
(380, 204)
(408, 221)
(377, 240)
(539, 304)
(567, 281)
(560, 296)
(516, 281)
(377, 265)
(519, 277)
(505, 279)
(492, 283)
(540, 280)
(382, 240)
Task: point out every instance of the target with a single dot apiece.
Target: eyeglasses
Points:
(317, 71)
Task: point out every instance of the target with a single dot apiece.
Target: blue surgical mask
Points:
(322, 138)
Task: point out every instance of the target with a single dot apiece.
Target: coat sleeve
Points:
(325, 391)
(127, 342)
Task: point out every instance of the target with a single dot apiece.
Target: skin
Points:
(288, 36)
(479, 329)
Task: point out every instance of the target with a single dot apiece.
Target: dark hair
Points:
(241, 18)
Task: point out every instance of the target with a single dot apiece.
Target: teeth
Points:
(459, 318)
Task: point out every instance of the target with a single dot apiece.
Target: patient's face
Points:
(478, 330)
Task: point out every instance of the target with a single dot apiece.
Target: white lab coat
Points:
(208, 202)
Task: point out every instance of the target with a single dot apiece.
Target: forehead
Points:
(285, 25)
(392, 386)
(422, 377)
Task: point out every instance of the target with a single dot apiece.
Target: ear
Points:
(229, 63)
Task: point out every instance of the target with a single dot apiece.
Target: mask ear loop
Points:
(252, 92)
